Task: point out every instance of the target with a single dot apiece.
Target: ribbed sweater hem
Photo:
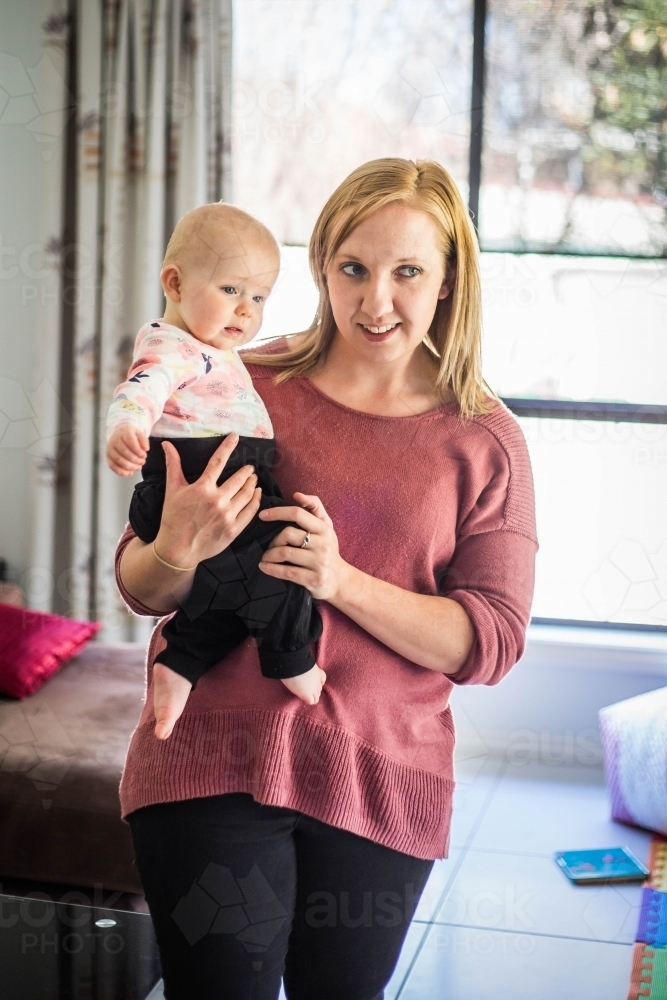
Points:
(285, 760)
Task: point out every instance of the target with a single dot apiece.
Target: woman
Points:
(277, 837)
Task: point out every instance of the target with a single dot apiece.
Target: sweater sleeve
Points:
(492, 571)
(163, 362)
(136, 606)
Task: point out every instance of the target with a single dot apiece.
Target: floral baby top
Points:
(179, 387)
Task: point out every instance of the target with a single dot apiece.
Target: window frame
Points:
(526, 406)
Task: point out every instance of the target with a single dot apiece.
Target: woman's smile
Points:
(378, 334)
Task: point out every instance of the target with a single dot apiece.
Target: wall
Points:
(31, 150)
(546, 710)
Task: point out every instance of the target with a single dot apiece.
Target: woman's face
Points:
(385, 282)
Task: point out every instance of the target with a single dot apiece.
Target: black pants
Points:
(230, 596)
(241, 894)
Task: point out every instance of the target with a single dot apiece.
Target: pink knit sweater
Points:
(427, 504)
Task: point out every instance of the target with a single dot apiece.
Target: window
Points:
(321, 86)
(561, 153)
(574, 137)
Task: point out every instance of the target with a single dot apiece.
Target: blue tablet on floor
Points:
(607, 864)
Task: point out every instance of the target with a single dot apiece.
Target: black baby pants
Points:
(242, 894)
(230, 596)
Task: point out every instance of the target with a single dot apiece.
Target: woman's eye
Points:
(354, 270)
(410, 271)
(229, 289)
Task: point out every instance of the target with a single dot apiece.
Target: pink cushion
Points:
(34, 645)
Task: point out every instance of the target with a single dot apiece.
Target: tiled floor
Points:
(498, 920)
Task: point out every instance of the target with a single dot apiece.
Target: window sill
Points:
(584, 648)
(554, 693)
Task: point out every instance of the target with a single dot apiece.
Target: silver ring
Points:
(304, 543)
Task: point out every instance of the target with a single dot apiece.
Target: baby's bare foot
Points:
(170, 693)
(308, 686)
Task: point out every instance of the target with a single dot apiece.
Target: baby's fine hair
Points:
(216, 230)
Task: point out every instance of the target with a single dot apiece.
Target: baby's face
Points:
(223, 304)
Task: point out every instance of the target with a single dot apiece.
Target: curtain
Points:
(43, 104)
(153, 111)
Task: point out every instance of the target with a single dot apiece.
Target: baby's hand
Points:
(170, 693)
(126, 450)
(308, 686)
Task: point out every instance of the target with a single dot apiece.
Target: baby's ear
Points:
(171, 278)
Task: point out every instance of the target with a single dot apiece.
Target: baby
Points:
(188, 385)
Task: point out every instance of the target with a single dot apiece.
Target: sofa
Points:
(61, 755)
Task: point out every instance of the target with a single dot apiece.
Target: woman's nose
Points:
(377, 302)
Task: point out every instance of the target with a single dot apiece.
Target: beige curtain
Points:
(153, 126)
(43, 105)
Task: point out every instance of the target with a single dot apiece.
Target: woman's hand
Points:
(319, 567)
(201, 519)
(431, 631)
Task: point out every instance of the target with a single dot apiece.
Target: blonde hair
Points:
(212, 232)
(455, 335)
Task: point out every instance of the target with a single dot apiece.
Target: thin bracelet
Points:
(179, 569)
